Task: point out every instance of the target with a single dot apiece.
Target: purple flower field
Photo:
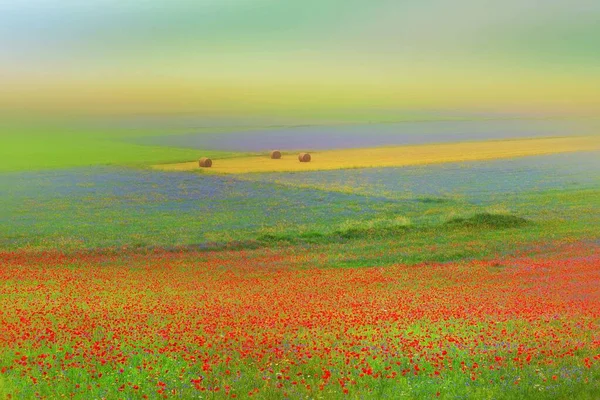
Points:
(371, 135)
(476, 181)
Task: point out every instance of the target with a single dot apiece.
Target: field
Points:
(463, 269)
(56, 144)
(274, 324)
(442, 241)
(401, 131)
(398, 156)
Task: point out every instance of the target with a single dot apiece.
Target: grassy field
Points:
(37, 143)
(51, 145)
(396, 156)
(454, 280)
(114, 207)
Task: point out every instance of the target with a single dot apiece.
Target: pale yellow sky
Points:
(237, 56)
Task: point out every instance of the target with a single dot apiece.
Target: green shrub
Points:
(487, 220)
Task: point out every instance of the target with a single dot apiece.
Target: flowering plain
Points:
(442, 242)
(290, 324)
(458, 280)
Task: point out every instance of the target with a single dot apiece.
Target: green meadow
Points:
(85, 186)
(51, 145)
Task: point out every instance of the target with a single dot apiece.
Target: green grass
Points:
(38, 146)
(489, 220)
(96, 208)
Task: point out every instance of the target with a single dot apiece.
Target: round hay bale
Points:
(205, 162)
(304, 157)
(275, 155)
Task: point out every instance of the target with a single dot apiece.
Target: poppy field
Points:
(299, 200)
(454, 280)
(287, 324)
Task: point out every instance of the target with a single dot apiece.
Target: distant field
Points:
(482, 181)
(145, 140)
(397, 156)
(361, 135)
(111, 206)
(40, 147)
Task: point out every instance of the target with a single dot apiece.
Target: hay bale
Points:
(275, 155)
(304, 157)
(205, 162)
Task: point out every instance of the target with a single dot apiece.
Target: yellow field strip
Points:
(396, 156)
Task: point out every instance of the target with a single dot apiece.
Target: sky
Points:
(245, 56)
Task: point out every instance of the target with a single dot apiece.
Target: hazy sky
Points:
(216, 55)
